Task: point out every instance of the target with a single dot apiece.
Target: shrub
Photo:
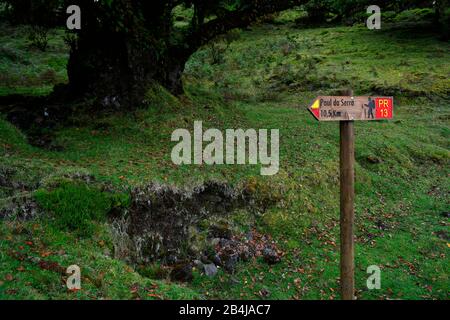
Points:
(38, 36)
(75, 205)
(221, 44)
(414, 15)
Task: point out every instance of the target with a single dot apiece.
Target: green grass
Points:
(75, 206)
(25, 69)
(103, 277)
(267, 79)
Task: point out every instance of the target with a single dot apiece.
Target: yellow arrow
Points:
(316, 105)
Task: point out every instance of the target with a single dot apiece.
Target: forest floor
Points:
(263, 80)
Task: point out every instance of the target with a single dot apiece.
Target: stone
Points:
(270, 256)
(245, 253)
(231, 262)
(217, 261)
(198, 264)
(210, 270)
(204, 259)
(221, 230)
(182, 272)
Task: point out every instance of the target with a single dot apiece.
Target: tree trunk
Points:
(121, 50)
(443, 18)
(119, 71)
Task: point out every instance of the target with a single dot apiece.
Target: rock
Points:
(210, 269)
(21, 208)
(270, 256)
(221, 230)
(245, 253)
(217, 261)
(231, 262)
(204, 259)
(198, 264)
(182, 272)
(172, 259)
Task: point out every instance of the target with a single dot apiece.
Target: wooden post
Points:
(347, 181)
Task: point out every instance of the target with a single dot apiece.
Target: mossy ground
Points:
(266, 79)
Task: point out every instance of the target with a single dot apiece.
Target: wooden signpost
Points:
(346, 109)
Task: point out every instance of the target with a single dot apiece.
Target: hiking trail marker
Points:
(346, 109)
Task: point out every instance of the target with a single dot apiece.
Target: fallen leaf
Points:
(46, 254)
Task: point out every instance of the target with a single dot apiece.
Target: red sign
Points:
(384, 108)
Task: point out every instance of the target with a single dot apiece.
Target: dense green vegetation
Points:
(264, 79)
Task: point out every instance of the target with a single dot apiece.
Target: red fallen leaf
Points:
(21, 268)
(29, 243)
(128, 269)
(134, 289)
(154, 295)
(46, 254)
(9, 277)
(154, 286)
(21, 247)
